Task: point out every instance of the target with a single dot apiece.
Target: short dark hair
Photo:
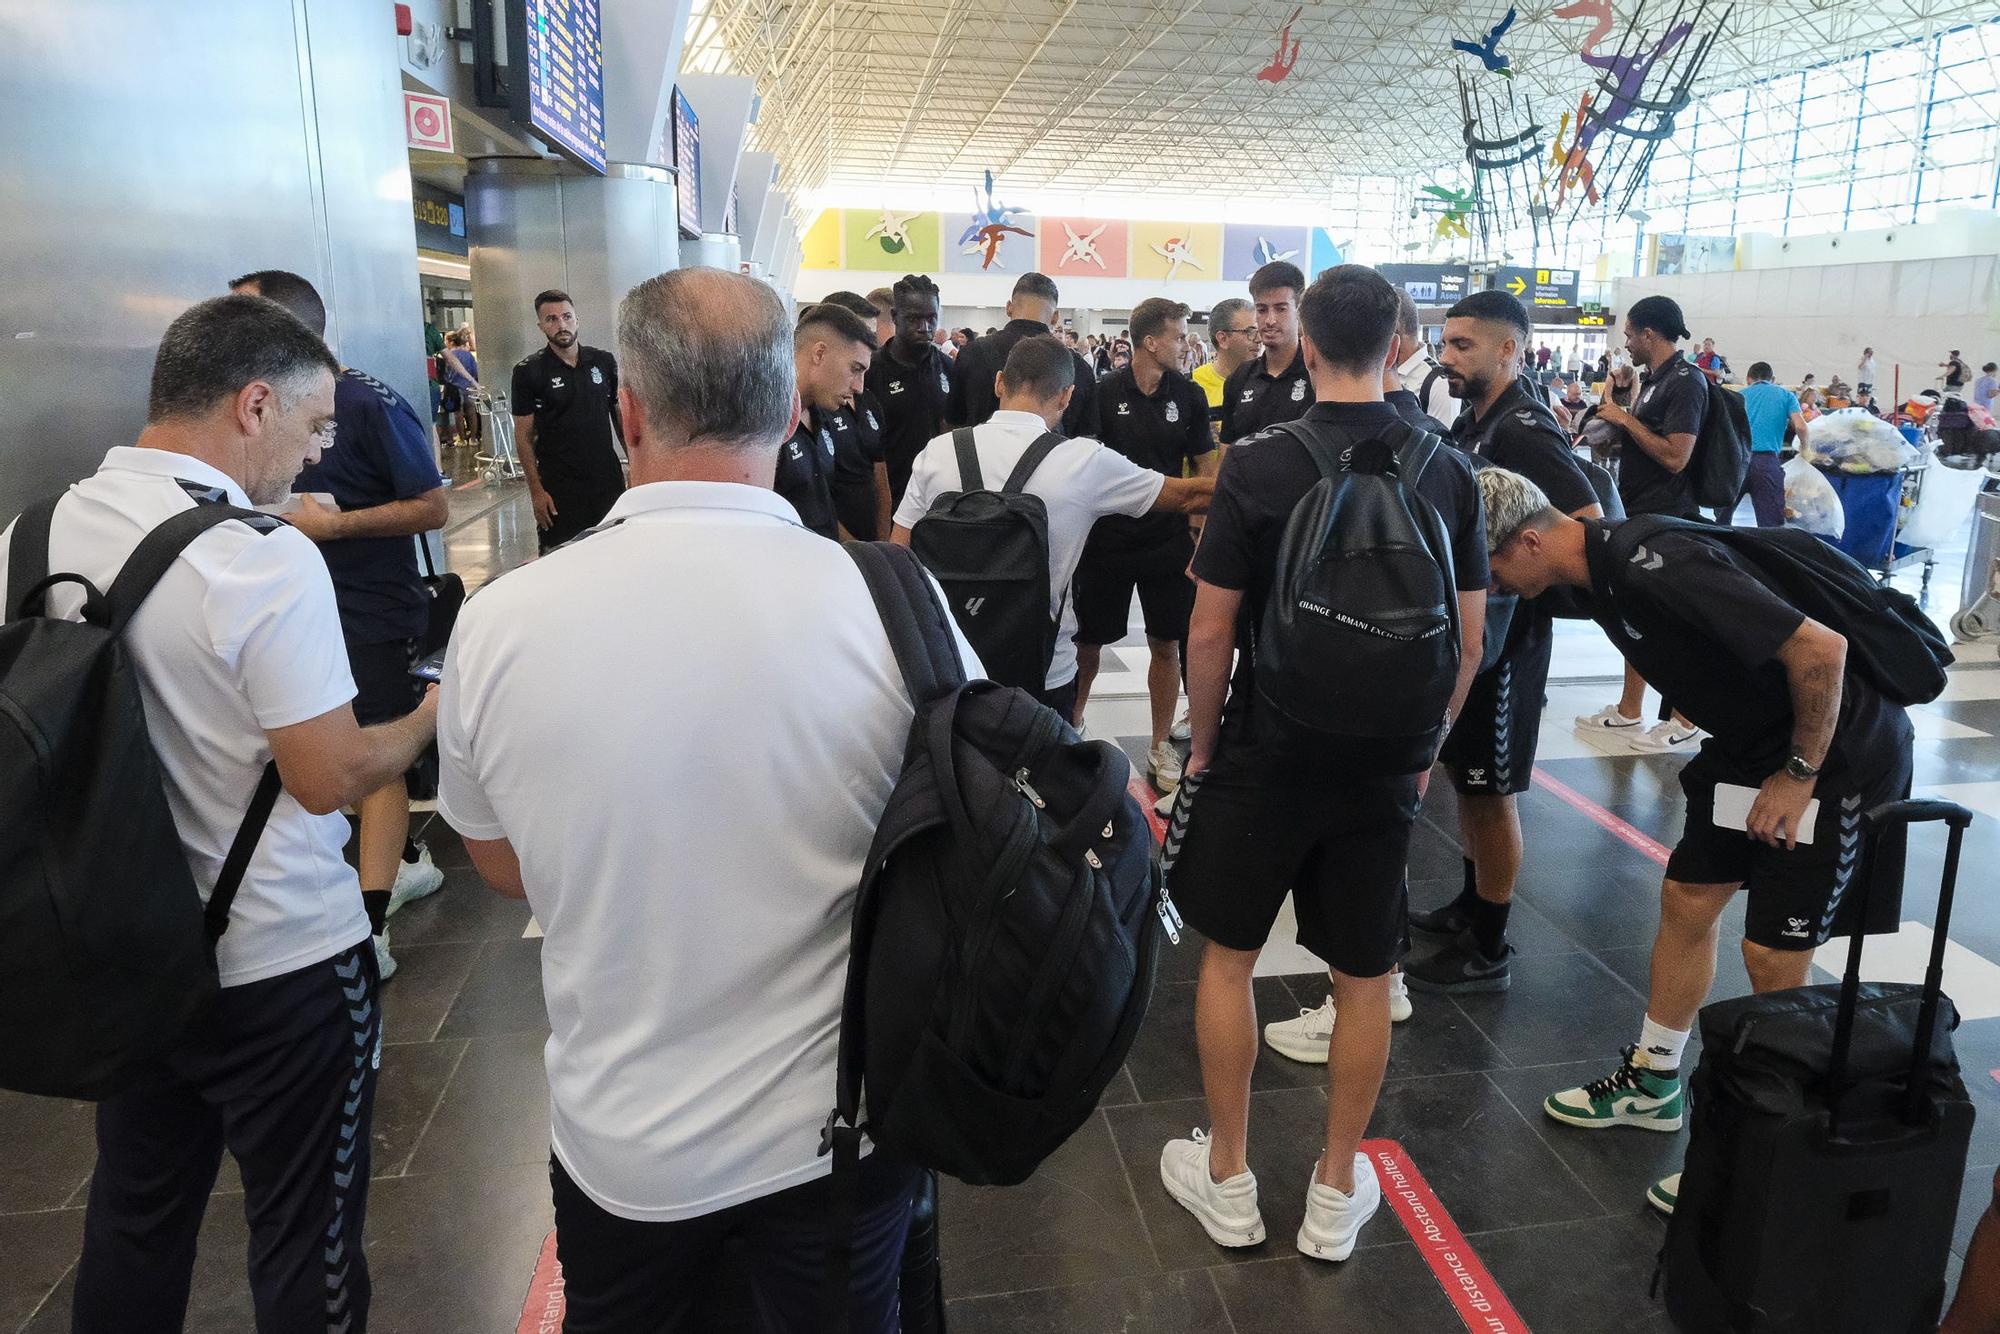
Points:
(1154, 314)
(1037, 285)
(1039, 365)
(1349, 313)
(1760, 370)
(834, 320)
(1990, 367)
(1278, 273)
(854, 301)
(1497, 308)
(290, 291)
(218, 346)
(913, 284)
(554, 296)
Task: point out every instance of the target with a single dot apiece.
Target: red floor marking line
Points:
(1995, 1074)
(1604, 819)
(467, 486)
(1143, 793)
(542, 1313)
(1465, 1280)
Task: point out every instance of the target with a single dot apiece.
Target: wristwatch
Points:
(1796, 766)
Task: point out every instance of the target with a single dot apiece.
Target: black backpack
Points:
(1890, 641)
(1359, 635)
(989, 550)
(1006, 925)
(1721, 459)
(103, 937)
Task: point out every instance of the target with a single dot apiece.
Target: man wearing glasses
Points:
(1232, 331)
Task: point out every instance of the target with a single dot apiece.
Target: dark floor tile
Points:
(1564, 836)
(1184, 1302)
(1528, 929)
(1165, 1065)
(1074, 1221)
(1182, 962)
(1978, 1045)
(1434, 853)
(1558, 1008)
(1486, 1163)
(1287, 1132)
(1120, 1091)
(50, 1146)
(426, 985)
(1436, 1039)
(464, 910)
(39, 1248)
(502, 993)
(1580, 1278)
(219, 1296)
(453, 1254)
(1379, 1289)
(494, 1112)
(1616, 1164)
(1643, 782)
(408, 1089)
(1635, 965)
(1598, 907)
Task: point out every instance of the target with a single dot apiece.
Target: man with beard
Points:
(565, 418)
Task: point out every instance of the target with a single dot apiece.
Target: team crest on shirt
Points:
(596, 375)
(944, 383)
(1298, 391)
(873, 425)
(1173, 412)
(826, 438)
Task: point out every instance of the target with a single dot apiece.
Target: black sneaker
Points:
(1460, 966)
(1449, 920)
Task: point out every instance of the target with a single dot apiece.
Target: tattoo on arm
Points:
(1815, 707)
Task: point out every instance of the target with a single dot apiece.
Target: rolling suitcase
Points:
(1829, 1138)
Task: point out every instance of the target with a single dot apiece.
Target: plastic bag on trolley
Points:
(1855, 440)
(1811, 502)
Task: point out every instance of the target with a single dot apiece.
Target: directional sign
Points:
(1538, 287)
(1428, 284)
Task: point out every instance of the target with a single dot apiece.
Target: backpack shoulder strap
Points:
(969, 477)
(1415, 455)
(916, 622)
(1318, 448)
(159, 549)
(1045, 445)
(215, 917)
(28, 553)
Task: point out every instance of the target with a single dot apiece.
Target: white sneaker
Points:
(1608, 719)
(1164, 764)
(1333, 1219)
(1307, 1037)
(385, 962)
(1227, 1210)
(1666, 738)
(414, 880)
(1182, 730)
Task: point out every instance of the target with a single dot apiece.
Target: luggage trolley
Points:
(503, 464)
(1979, 618)
(1876, 505)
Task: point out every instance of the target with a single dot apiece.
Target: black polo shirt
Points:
(1521, 435)
(912, 402)
(805, 474)
(1704, 628)
(1165, 431)
(1671, 402)
(576, 411)
(1254, 400)
(973, 400)
(857, 448)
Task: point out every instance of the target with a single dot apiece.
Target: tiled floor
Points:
(459, 1206)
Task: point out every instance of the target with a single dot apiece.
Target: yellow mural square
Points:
(1167, 250)
(891, 240)
(822, 241)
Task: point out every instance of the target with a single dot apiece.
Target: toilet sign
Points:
(427, 122)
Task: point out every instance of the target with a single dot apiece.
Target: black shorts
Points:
(1491, 749)
(1800, 898)
(1235, 848)
(576, 513)
(384, 690)
(1103, 592)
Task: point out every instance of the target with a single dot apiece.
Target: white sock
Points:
(1397, 986)
(1660, 1047)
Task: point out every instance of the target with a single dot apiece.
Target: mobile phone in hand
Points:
(430, 669)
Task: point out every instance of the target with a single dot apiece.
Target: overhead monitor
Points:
(558, 80)
(687, 164)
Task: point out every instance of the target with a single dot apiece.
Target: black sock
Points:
(410, 850)
(1489, 926)
(376, 902)
(1470, 892)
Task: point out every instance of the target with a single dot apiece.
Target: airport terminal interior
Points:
(1800, 198)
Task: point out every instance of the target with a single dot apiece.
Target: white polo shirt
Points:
(687, 725)
(1080, 483)
(240, 636)
(1438, 403)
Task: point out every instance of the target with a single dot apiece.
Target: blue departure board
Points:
(687, 164)
(564, 60)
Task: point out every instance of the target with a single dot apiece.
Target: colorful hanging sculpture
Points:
(1503, 144)
(1488, 49)
(1458, 205)
(1283, 62)
(992, 222)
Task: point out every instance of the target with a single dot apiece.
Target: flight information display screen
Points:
(564, 58)
(687, 164)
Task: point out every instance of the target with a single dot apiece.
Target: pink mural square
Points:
(1086, 247)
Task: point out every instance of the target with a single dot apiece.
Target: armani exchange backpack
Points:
(989, 551)
(106, 952)
(1359, 635)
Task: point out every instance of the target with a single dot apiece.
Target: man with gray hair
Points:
(693, 854)
(243, 673)
(1232, 331)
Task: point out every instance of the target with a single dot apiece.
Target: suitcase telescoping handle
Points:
(1909, 811)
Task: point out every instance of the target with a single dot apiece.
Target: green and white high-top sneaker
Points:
(1665, 1194)
(1630, 1096)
